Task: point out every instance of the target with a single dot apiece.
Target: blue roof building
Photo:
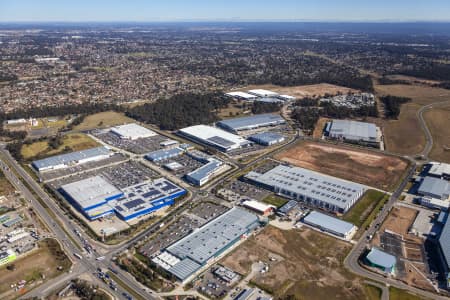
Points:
(382, 260)
(202, 175)
(435, 187)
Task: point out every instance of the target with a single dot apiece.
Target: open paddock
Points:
(358, 165)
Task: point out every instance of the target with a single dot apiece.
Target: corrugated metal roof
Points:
(436, 187)
(132, 131)
(255, 121)
(318, 186)
(381, 258)
(439, 169)
(163, 154)
(205, 170)
(207, 241)
(70, 158)
(327, 222)
(184, 268)
(362, 130)
(444, 241)
(266, 137)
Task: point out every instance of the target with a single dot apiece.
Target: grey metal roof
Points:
(444, 242)
(381, 258)
(215, 236)
(327, 222)
(266, 137)
(205, 170)
(70, 158)
(91, 191)
(184, 268)
(436, 187)
(163, 154)
(251, 122)
(354, 129)
(312, 184)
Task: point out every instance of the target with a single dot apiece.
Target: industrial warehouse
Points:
(267, 138)
(444, 248)
(330, 224)
(316, 189)
(203, 174)
(95, 197)
(252, 122)
(132, 131)
(220, 139)
(188, 255)
(71, 159)
(435, 193)
(354, 131)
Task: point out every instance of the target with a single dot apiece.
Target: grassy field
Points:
(398, 294)
(364, 208)
(275, 201)
(373, 292)
(5, 186)
(308, 265)
(32, 267)
(350, 163)
(103, 120)
(71, 142)
(405, 136)
(438, 121)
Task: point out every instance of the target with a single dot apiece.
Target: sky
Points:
(223, 10)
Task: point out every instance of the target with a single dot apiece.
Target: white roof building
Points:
(259, 207)
(241, 95)
(263, 93)
(215, 137)
(132, 131)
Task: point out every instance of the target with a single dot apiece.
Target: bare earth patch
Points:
(363, 166)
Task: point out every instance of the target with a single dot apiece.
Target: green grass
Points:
(372, 292)
(363, 209)
(275, 200)
(398, 294)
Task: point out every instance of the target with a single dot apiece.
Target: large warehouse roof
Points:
(242, 95)
(329, 223)
(251, 122)
(267, 138)
(444, 242)
(70, 158)
(263, 93)
(91, 192)
(439, 169)
(132, 131)
(212, 238)
(353, 130)
(163, 154)
(438, 188)
(213, 136)
(318, 186)
(381, 258)
(202, 173)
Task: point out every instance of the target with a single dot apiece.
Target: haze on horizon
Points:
(221, 10)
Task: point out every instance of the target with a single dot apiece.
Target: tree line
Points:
(392, 105)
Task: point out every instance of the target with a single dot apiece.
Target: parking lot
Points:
(54, 174)
(214, 286)
(247, 190)
(120, 175)
(208, 210)
(169, 234)
(189, 164)
(138, 146)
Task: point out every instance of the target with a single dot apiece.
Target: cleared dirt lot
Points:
(438, 121)
(405, 135)
(302, 91)
(310, 268)
(363, 166)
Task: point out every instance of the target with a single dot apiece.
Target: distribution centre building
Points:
(435, 192)
(330, 224)
(163, 154)
(263, 93)
(241, 96)
(381, 260)
(95, 197)
(132, 131)
(267, 138)
(439, 170)
(444, 249)
(71, 159)
(215, 137)
(203, 174)
(353, 131)
(188, 255)
(251, 122)
(316, 189)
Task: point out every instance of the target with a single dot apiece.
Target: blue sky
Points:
(223, 10)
